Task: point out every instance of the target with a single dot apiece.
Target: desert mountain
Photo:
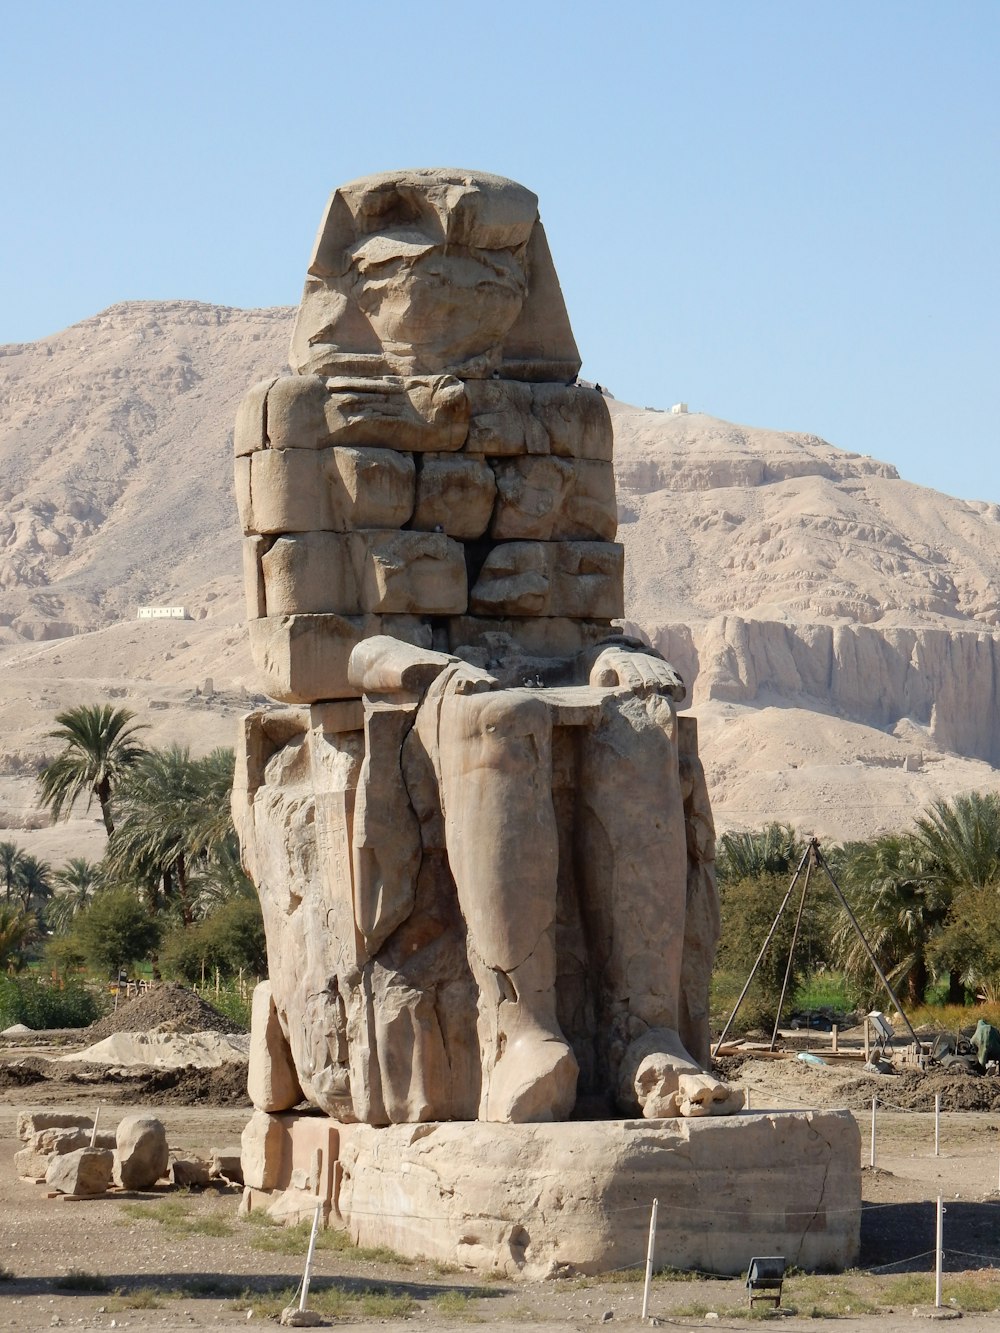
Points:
(837, 625)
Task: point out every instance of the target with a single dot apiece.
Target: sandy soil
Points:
(204, 1268)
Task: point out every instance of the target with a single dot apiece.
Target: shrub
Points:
(39, 1004)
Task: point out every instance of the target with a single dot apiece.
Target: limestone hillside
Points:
(838, 624)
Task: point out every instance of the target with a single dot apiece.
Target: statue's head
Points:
(428, 271)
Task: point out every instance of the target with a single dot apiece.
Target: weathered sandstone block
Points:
(576, 420)
(188, 1172)
(589, 509)
(574, 579)
(502, 422)
(34, 1122)
(495, 638)
(250, 432)
(410, 573)
(311, 573)
(142, 1154)
(272, 1083)
(84, 1171)
(455, 495)
(303, 658)
(311, 412)
(262, 1146)
(530, 492)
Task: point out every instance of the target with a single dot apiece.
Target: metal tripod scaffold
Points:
(811, 857)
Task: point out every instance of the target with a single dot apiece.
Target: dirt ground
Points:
(186, 1261)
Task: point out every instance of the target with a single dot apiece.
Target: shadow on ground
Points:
(899, 1237)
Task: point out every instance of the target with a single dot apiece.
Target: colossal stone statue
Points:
(479, 830)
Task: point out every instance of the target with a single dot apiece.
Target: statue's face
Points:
(450, 302)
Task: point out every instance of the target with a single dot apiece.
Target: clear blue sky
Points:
(785, 214)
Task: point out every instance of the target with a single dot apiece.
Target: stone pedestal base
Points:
(536, 1200)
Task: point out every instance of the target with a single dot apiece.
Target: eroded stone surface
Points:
(535, 1200)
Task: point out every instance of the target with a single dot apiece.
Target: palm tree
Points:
(100, 749)
(78, 879)
(963, 838)
(17, 929)
(34, 880)
(775, 850)
(899, 903)
(174, 826)
(11, 857)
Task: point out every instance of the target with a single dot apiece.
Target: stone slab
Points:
(536, 1200)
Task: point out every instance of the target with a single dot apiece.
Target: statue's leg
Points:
(634, 869)
(496, 785)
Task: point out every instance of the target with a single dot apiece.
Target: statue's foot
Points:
(534, 1080)
(701, 1094)
(659, 1075)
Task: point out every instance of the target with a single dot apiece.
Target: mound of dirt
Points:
(793, 1085)
(22, 1073)
(225, 1086)
(958, 1092)
(169, 1007)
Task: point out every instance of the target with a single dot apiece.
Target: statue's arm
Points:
(383, 665)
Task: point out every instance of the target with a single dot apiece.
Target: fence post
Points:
(649, 1257)
(872, 1161)
(939, 1253)
(937, 1124)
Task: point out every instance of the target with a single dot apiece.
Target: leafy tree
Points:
(100, 749)
(749, 907)
(893, 889)
(75, 885)
(774, 850)
(230, 938)
(116, 930)
(11, 857)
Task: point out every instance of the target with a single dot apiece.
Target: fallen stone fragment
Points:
(142, 1154)
(188, 1172)
(31, 1165)
(85, 1171)
(225, 1164)
(33, 1122)
(68, 1140)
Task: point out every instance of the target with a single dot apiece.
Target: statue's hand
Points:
(641, 672)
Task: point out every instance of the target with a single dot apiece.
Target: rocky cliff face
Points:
(774, 569)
